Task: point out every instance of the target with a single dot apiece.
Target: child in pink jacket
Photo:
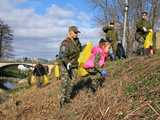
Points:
(99, 55)
(96, 61)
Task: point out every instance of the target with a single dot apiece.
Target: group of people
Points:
(71, 48)
(70, 52)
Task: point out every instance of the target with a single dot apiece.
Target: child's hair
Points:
(102, 40)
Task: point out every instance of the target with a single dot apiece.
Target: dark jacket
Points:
(111, 33)
(39, 70)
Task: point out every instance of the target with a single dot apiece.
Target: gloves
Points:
(68, 66)
(103, 73)
(144, 29)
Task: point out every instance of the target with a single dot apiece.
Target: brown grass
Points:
(109, 102)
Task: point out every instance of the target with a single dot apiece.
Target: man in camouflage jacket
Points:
(110, 32)
(142, 28)
(69, 53)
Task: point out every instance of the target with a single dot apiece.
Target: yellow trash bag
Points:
(84, 56)
(33, 80)
(46, 79)
(149, 40)
(81, 71)
(57, 71)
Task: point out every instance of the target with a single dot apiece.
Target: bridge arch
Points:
(5, 65)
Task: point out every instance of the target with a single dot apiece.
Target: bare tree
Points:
(114, 10)
(155, 6)
(6, 38)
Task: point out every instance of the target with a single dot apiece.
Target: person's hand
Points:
(103, 73)
(144, 29)
(68, 66)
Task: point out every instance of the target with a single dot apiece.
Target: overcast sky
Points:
(40, 25)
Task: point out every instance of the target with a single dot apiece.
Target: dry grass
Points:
(115, 101)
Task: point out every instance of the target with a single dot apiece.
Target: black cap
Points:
(112, 22)
(144, 13)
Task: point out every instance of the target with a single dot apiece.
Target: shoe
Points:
(93, 90)
(63, 102)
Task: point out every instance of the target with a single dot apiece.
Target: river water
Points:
(7, 85)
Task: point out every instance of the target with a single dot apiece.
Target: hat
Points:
(144, 13)
(112, 22)
(74, 29)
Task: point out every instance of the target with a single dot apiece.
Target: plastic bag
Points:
(148, 41)
(57, 71)
(46, 79)
(84, 56)
(33, 80)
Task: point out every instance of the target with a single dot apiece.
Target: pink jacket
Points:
(90, 61)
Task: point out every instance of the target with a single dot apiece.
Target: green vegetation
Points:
(12, 71)
(146, 88)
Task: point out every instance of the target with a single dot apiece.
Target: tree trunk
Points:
(154, 11)
(154, 17)
(1, 37)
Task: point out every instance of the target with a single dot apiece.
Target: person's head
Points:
(73, 32)
(145, 15)
(105, 44)
(112, 23)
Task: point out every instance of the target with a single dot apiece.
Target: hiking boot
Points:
(92, 89)
(64, 101)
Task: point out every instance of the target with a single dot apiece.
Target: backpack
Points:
(120, 52)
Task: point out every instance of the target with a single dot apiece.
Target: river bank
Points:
(9, 86)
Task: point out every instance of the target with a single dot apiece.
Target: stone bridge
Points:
(8, 64)
(3, 65)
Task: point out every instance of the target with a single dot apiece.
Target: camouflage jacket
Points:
(70, 51)
(111, 33)
(140, 24)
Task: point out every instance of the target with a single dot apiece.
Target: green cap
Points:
(74, 29)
